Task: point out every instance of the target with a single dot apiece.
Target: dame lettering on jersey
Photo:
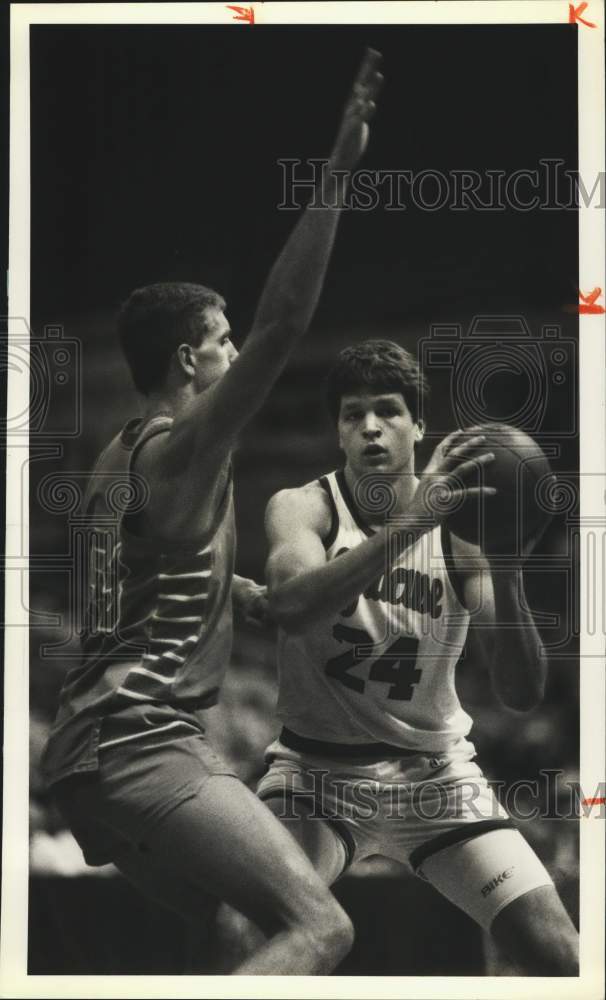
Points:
(409, 587)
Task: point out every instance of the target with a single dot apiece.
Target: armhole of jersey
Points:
(350, 504)
(156, 426)
(129, 521)
(456, 580)
(88, 501)
(334, 517)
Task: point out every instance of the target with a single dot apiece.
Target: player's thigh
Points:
(319, 840)
(225, 842)
(485, 874)
(537, 932)
(236, 936)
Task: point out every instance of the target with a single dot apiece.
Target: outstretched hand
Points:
(353, 134)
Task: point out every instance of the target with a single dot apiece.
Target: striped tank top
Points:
(156, 633)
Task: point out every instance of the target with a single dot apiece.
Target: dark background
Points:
(154, 158)
(154, 153)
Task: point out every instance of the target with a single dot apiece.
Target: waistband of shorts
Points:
(324, 748)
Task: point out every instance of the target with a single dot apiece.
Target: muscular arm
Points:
(290, 295)
(285, 310)
(303, 587)
(503, 627)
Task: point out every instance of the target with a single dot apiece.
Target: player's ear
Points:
(419, 430)
(185, 360)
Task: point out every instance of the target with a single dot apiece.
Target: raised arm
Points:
(292, 290)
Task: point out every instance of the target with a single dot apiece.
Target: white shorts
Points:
(435, 813)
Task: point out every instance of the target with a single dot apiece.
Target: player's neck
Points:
(402, 485)
(169, 401)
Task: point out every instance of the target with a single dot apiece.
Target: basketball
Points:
(503, 522)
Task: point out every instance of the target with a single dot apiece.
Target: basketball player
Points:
(128, 757)
(373, 757)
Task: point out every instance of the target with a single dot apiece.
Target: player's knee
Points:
(308, 907)
(540, 941)
(557, 956)
(332, 930)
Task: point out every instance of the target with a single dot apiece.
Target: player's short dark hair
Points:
(154, 320)
(376, 366)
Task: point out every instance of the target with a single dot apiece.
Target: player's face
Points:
(216, 351)
(377, 432)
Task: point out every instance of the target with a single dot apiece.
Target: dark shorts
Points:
(134, 788)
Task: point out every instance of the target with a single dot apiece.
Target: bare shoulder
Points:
(164, 460)
(155, 462)
(305, 507)
(180, 503)
(150, 458)
(170, 456)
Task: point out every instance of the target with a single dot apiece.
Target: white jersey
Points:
(383, 669)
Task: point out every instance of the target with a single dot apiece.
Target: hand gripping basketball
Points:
(352, 137)
(513, 520)
(443, 485)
